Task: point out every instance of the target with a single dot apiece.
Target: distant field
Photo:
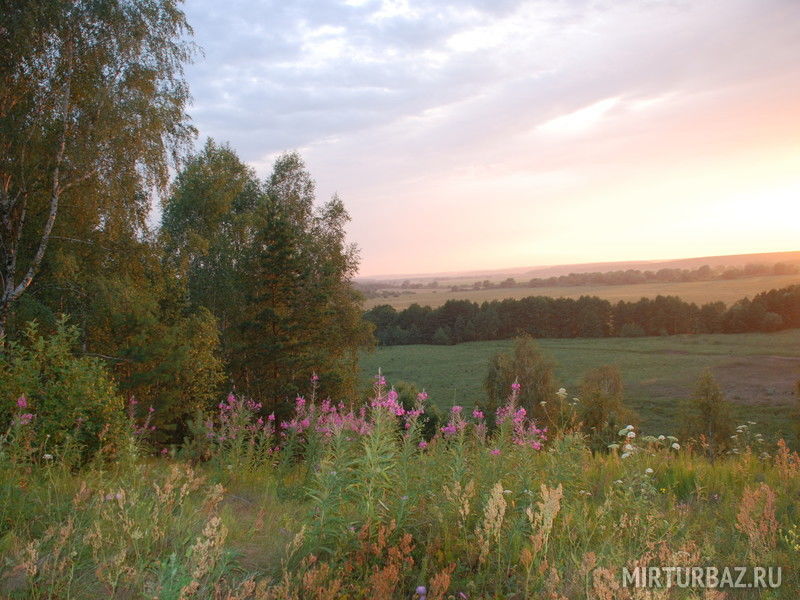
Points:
(757, 371)
(699, 292)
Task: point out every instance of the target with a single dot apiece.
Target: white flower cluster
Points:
(628, 436)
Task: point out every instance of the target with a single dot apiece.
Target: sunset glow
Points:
(483, 135)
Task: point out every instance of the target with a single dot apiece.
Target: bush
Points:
(534, 372)
(431, 419)
(73, 398)
(706, 417)
(602, 411)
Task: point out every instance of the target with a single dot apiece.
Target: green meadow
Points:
(756, 371)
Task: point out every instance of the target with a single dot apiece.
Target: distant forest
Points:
(459, 321)
(377, 289)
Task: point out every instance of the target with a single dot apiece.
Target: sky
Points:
(486, 134)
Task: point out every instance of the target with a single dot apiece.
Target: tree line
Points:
(636, 276)
(378, 289)
(459, 321)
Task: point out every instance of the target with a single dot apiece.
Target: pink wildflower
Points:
(423, 444)
(495, 451)
(22, 402)
(449, 429)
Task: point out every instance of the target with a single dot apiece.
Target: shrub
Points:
(431, 419)
(534, 373)
(73, 398)
(602, 411)
(706, 417)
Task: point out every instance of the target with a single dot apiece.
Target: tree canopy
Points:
(273, 267)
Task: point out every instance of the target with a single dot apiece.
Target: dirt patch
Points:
(759, 380)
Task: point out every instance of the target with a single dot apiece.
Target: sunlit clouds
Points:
(480, 134)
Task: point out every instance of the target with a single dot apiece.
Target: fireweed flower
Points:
(494, 451)
(449, 429)
(515, 387)
(22, 402)
(422, 396)
(477, 414)
(423, 444)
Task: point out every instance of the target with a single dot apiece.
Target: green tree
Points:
(535, 373)
(441, 337)
(208, 226)
(602, 411)
(273, 267)
(706, 417)
(92, 110)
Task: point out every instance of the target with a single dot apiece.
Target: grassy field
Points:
(756, 371)
(699, 292)
(356, 506)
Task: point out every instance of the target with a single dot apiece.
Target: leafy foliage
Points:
(534, 373)
(73, 399)
(706, 417)
(601, 410)
(274, 270)
(585, 317)
(92, 114)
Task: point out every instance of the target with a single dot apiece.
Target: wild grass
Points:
(364, 507)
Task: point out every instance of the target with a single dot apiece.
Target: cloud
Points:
(390, 99)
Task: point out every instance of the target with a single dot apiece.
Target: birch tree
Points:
(92, 115)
